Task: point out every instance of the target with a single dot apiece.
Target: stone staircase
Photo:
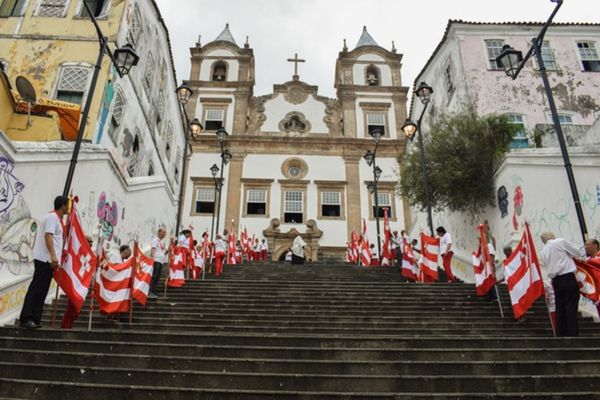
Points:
(317, 331)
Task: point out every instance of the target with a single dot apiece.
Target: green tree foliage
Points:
(462, 152)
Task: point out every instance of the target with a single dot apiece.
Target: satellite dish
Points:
(27, 93)
(26, 90)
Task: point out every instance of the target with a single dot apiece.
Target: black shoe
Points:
(29, 325)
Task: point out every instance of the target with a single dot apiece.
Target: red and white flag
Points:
(79, 263)
(523, 275)
(143, 276)
(430, 249)
(485, 273)
(588, 278)
(409, 262)
(113, 288)
(365, 250)
(177, 265)
(386, 251)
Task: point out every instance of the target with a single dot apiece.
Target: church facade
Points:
(297, 157)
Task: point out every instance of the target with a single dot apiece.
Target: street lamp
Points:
(513, 62)
(226, 156)
(193, 130)
(371, 159)
(214, 170)
(124, 58)
(423, 92)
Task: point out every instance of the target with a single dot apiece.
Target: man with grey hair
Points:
(557, 257)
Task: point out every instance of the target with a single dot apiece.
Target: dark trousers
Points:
(566, 296)
(398, 255)
(33, 306)
(156, 271)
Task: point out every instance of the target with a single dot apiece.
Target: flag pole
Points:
(530, 240)
(132, 279)
(169, 270)
(67, 237)
(99, 252)
(498, 299)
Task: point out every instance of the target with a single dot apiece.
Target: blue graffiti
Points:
(10, 185)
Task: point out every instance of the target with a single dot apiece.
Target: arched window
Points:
(219, 71)
(116, 118)
(372, 76)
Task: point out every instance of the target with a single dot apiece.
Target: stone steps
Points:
(309, 332)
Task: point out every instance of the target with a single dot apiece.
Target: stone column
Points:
(353, 212)
(234, 192)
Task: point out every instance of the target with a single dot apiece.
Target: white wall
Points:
(143, 205)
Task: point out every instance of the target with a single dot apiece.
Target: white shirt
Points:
(183, 241)
(445, 241)
(53, 225)
(220, 246)
(557, 257)
(298, 246)
(288, 256)
(263, 246)
(160, 255)
(115, 258)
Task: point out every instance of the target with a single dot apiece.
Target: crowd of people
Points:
(558, 259)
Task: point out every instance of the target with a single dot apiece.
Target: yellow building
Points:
(55, 46)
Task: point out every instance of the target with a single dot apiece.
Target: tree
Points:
(462, 153)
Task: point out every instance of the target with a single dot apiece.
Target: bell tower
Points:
(222, 79)
(369, 87)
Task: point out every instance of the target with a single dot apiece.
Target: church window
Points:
(331, 205)
(494, 48)
(385, 201)
(205, 200)
(72, 83)
(219, 71)
(213, 119)
(11, 8)
(135, 27)
(117, 115)
(294, 207)
(98, 8)
(372, 76)
(376, 122)
(294, 171)
(52, 8)
(256, 202)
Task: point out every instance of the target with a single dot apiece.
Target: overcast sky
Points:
(315, 29)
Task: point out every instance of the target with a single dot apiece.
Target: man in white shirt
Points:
(446, 251)
(557, 258)
(47, 254)
(221, 247)
(158, 253)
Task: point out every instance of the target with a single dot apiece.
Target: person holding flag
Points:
(47, 254)
(158, 252)
(557, 257)
(446, 251)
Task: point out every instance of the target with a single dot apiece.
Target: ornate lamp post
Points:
(225, 158)
(424, 92)
(371, 159)
(123, 58)
(513, 62)
(192, 130)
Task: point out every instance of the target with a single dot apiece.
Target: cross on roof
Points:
(296, 60)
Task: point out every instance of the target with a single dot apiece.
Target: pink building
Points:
(463, 69)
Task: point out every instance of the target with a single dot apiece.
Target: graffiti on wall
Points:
(518, 206)
(17, 228)
(108, 215)
(503, 201)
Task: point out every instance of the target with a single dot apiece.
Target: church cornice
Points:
(326, 146)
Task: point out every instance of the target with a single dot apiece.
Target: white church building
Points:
(297, 157)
